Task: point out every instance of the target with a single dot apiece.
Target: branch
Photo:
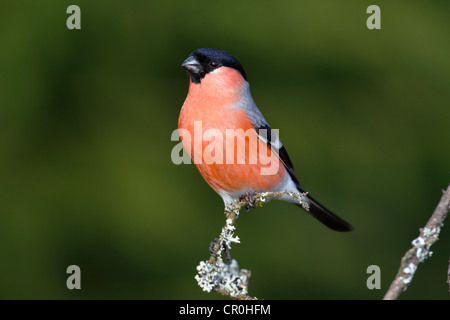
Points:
(448, 275)
(420, 248)
(228, 279)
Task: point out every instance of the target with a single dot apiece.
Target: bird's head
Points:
(209, 60)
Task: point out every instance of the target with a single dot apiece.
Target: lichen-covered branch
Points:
(448, 275)
(226, 278)
(420, 248)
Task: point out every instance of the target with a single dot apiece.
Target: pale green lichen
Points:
(214, 274)
(223, 277)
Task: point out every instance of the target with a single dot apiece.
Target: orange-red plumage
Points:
(215, 107)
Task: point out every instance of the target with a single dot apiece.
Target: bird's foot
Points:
(249, 201)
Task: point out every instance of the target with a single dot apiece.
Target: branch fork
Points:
(226, 278)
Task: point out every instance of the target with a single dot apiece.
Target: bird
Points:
(219, 100)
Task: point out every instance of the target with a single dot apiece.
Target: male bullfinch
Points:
(219, 101)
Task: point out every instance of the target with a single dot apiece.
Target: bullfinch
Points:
(219, 103)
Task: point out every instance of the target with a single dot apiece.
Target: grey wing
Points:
(268, 135)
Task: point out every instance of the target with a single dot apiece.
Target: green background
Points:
(86, 117)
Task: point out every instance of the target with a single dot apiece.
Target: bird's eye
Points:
(214, 64)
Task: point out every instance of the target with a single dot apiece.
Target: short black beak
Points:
(192, 65)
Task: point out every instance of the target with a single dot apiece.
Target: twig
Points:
(448, 275)
(420, 248)
(228, 279)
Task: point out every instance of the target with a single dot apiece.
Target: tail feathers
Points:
(328, 218)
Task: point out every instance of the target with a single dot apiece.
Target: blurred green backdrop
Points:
(86, 116)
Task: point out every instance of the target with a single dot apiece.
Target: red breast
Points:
(215, 102)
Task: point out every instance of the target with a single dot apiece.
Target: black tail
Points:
(328, 218)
